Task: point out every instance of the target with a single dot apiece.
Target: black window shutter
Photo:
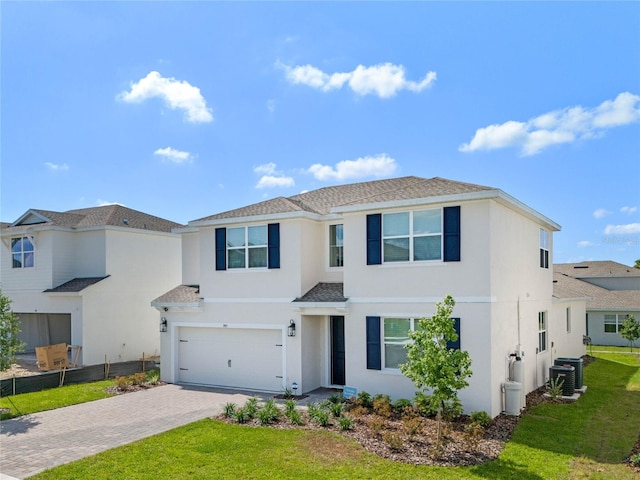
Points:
(221, 248)
(273, 244)
(374, 348)
(451, 236)
(374, 239)
(455, 345)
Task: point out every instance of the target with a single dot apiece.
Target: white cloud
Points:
(371, 166)
(271, 105)
(57, 167)
(266, 169)
(271, 178)
(629, 210)
(601, 213)
(271, 181)
(560, 126)
(177, 94)
(622, 229)
(174, 156)
(104, 203)
(585, 244)
(383, 80)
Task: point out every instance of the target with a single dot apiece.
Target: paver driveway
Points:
(43, 440)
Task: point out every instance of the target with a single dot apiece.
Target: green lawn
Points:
(26, 403)
(587, 439)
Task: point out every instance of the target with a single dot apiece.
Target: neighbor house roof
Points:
(602, 268)
(598, 298)
(322, 200)
(108, 215)
(75, 285)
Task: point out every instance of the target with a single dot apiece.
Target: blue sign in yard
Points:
(349, 392)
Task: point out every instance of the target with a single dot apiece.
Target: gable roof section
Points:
(354, 196)
(75, 285)
(108, 215)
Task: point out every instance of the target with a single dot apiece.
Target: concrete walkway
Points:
(33, 443)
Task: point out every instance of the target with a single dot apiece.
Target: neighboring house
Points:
(612, 291)
(86, 277)
(348, 270)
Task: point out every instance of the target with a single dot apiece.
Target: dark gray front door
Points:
(337, 351)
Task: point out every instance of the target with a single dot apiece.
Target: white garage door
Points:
(227, 357)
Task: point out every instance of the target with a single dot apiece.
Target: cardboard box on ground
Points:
(52, 357)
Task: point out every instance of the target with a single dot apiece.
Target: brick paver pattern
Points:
(36, 442)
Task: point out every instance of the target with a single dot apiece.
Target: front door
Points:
(337, 351)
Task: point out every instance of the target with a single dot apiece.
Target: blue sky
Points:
(186, 109)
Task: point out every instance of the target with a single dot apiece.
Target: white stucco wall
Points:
(567, 336)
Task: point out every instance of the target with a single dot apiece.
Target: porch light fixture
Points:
(292, 328)
(163, 324)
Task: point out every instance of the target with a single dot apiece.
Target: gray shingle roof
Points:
(601, 268)
(108, 215)
(180, 294)
(75, 285)
(322, 200)
(599, 298)
(324, 293)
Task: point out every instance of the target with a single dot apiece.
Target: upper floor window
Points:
(22, 252)
(247, 247)
(542, 331)
(613, 322)
(544, 248)
(412, 236)
(336, 246)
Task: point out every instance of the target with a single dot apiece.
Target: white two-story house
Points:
(85, 277)
(320, 289)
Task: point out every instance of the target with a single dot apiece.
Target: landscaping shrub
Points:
(377, 424)
(412, 426)
(321, 417)
(336, 409)
(123, 382)
(294, 417)
(364, 399)
(241, 415)
(230, 409)
(138, 378)
(382, 405)
(393, 441)
(345, 423)
(251, 407)
(480, 417)
(153, 377)
(400, 405)
(269, 413)
(289, 406)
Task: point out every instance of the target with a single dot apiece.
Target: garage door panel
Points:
(237, 358)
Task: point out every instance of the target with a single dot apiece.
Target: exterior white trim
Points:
(247, 300)
(256, 219)
(425, 300)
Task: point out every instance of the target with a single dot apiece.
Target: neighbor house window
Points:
(542, 331)
(336, 246)
(568, 319)
(613, 322)
(247, 247)
(22, 252)
(412, 236)
(544, 248)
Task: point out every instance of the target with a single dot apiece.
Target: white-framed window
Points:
(568, 319)
(395, 337)
(22, 252)
(247, 247)
(542, 331)
(544, 248)
(613, 322)
(336, 245)
(412, 236)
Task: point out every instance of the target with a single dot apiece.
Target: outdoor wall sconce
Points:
(163, 324)
(292, 328)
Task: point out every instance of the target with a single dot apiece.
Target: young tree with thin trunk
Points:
(436, 369)
(630, 331)
(10, 345)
